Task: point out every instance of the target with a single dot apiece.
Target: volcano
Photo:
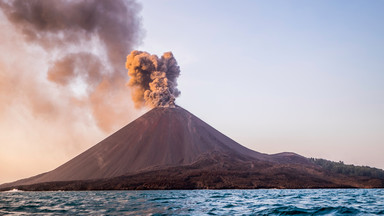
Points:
(170, 148)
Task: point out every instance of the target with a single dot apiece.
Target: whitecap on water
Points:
(13, 190)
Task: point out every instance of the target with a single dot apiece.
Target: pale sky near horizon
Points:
(275, 76)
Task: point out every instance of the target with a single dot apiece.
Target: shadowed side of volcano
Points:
(161, 138)
(169, 148)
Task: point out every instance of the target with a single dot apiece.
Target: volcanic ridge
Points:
(170, 148)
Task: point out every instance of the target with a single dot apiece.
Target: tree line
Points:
(348, 169)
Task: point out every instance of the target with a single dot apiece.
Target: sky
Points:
(275, 76)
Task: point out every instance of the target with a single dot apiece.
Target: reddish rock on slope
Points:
(174, 143)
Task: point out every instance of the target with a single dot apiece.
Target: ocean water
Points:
(196, 202)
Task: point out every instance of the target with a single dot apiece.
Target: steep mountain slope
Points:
(175, 144)
(160, 138)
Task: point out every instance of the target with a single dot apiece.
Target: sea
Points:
(195, 202)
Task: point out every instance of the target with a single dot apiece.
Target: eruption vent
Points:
(153, 79)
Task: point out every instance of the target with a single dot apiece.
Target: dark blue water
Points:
(197, 202)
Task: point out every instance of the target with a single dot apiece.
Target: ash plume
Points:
(153, 79)
(86, 42)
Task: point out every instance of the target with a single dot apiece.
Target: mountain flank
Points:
(170, 148)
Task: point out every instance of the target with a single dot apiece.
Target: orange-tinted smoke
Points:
(86, 42)
(153, 80)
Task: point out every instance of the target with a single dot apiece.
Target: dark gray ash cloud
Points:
(153, 79)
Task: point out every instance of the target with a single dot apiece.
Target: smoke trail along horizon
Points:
(153, 79)
(87, 41)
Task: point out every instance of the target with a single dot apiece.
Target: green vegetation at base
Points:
(346, 169)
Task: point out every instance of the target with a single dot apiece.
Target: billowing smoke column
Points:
(86, 42)
(153, 79)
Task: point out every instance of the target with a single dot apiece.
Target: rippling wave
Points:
(197, 202)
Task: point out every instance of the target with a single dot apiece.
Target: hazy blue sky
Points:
(300, 76)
